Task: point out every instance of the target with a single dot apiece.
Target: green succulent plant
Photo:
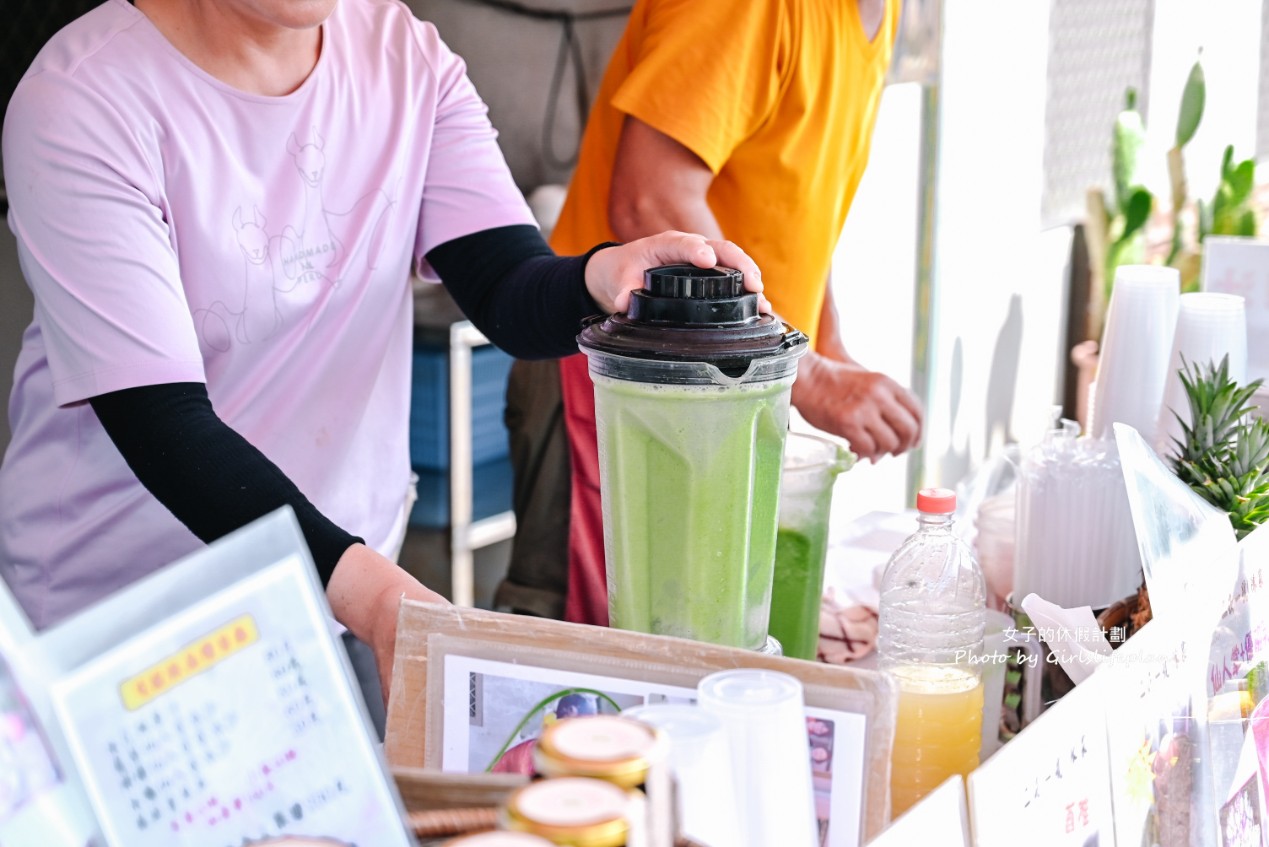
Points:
(1223, 452)
(1231, 211)
(1116, 222)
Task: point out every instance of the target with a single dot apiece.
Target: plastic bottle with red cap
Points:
(930, 640)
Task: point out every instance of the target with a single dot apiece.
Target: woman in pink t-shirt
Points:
(218, 206)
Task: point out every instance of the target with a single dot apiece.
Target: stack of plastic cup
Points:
(1136, 345)
(1075, 541)
(1209, 326)
(764, 716)
(700, 759)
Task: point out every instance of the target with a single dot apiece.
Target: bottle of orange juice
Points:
(930, 640)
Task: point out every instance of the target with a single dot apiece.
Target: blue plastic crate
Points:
(491, 494)
(429, 406)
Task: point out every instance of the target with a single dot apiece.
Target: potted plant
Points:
(1128, 228)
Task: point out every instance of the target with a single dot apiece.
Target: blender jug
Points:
(692, 393)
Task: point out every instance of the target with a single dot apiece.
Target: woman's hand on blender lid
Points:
(612, 273)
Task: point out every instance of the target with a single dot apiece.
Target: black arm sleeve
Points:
(523, 297)
(206, 474)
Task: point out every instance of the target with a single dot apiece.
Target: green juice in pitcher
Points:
(812, 464)
(691, 539)
(796, 589)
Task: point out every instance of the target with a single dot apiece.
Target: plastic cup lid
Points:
(748, 690)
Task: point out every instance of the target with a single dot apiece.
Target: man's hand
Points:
(365, 594)
(875, 414)
(612, 273)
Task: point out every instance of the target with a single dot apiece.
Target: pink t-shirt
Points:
(175, 229)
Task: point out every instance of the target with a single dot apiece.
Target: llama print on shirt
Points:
(292, 273)
(314, 249)
(310, 249)
(257, 318)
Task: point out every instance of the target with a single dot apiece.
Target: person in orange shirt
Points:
(749, 121)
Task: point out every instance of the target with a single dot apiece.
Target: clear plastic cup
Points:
(1209, 327)
(764, 715)
(699, 752)
(1136, 343)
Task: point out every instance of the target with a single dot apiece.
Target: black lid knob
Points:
(693, 282)
(692, 296)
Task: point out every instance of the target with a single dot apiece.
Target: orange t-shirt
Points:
(777, 97)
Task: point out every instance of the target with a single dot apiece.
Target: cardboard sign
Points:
(465, 681)
(1156, 735)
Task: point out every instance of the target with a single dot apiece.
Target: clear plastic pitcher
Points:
(692, 393)
(811, 466)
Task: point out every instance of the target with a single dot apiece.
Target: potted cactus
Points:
(1118, 228)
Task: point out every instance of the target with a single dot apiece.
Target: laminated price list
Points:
(232, 722)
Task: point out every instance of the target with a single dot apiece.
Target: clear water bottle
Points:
(930, 639)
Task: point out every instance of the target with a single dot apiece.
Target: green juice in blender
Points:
(691, 538)
(692, 389)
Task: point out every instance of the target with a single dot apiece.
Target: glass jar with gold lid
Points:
(608, 747)
(572, 811)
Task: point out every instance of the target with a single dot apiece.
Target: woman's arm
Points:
(207, 475)
(531, 303)
(214, 481)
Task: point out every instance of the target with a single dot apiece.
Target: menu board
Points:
(26, 761)
(229, 722)
(1237, 687)
(40, 801)
(1155, 736)
(1050, 781)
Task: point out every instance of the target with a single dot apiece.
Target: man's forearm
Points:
(828, 337)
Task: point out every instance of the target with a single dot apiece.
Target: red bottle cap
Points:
(936, 501)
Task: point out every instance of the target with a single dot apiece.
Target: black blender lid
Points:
(688, 314)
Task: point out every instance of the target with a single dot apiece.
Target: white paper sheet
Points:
(1049, 785)
(939, 818)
